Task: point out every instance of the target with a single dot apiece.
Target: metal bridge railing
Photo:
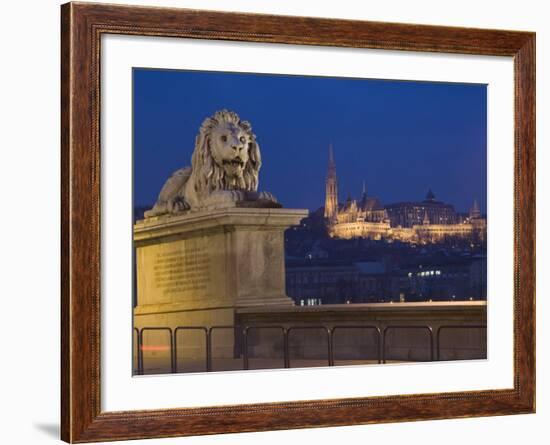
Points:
(376, 330)
(410, 327)
(141, 347)
(246, 333)
(241, 347)
(192, 329)
(302, 328)
(453, 326)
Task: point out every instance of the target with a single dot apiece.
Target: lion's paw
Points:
(177, 205)
(266, 196)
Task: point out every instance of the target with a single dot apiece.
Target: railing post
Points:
(384, 344)
(172, 354)
(379, 344)
(285, 345)
(140, 352)
(141, 346)
(431, 343)
(245, 348)
(136, 330)
(176, 350)
(437, 347)
(330, 348)
(209, 350)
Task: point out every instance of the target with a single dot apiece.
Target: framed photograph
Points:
(274, 222)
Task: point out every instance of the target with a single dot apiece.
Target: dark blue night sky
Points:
(400, 137)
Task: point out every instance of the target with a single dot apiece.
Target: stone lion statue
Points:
(224, 170)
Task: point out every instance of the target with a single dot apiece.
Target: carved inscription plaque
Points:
(182, 271)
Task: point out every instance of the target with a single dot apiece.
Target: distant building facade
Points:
(327, 281)
(428, 221)
(452, 279)
(323, 281)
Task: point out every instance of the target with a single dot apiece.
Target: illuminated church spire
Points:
(331, 188)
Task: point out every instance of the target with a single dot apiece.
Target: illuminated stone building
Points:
(429, 211)
(425, 222)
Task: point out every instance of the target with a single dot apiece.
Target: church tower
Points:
(331, 188)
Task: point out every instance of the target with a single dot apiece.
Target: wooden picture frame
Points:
(82, 26)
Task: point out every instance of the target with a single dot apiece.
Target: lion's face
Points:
(229, 148)
(226, 156)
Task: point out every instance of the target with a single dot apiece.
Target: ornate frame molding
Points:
(82, 25)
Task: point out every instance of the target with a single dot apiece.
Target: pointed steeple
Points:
(364, 199)
(474, 211)
(331, 188)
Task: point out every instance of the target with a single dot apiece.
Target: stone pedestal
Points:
(197, 268)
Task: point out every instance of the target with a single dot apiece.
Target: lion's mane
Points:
(207, 174)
